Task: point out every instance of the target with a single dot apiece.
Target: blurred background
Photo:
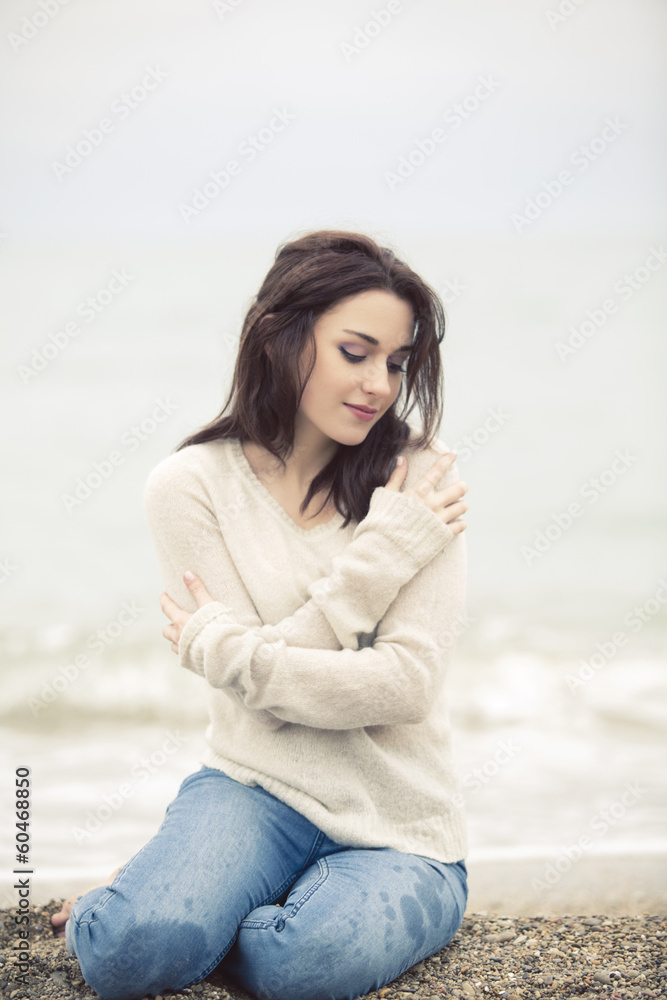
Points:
(514, 154)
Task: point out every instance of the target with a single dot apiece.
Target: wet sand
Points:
(598, 929)
(490, 956)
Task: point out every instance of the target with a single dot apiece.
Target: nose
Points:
(375, 378)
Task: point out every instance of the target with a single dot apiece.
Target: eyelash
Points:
(355, 358)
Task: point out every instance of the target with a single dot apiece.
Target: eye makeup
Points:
(355, 358)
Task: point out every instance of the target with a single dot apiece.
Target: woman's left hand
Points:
(178, 618)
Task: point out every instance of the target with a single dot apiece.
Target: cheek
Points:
(318, 393)
(395, 390)
(328, 382)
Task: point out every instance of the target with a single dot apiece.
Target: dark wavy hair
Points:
(309, 276)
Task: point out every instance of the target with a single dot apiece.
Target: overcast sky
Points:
(359, 85)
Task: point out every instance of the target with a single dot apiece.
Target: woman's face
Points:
(362, 350)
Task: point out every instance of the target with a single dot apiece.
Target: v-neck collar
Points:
(237, 453)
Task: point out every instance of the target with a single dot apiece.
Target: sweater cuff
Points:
(189, 657)
(412, 526)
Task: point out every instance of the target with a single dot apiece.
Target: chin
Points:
(352, 437)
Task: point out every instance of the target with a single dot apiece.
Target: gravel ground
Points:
(491, 956)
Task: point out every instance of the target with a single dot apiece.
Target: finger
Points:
(171, 632)
(398, 474)
(439, 467)
(455, 510)
(457, 526)
(432, 476)
(169, 607)
(174, 647)
(197, 588)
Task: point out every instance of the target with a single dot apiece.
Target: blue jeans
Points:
(201, 892)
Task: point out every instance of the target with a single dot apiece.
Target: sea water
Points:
(558, 689)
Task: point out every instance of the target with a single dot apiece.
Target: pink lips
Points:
(362, 414)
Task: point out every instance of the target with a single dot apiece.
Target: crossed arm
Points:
(402, 578)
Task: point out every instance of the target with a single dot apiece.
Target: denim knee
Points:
(328, 942)
(289, 965)
(290, 962)
(123, 957)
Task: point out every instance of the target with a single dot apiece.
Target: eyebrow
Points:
(372, 340)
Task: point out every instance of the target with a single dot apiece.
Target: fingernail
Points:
(189, 576)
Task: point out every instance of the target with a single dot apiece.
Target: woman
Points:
(319, 851)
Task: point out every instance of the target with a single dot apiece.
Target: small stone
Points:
(503, 936)
(547, 980)
(603, 977)
(468, 989)
(385, 991)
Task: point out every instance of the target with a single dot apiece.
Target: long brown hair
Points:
(311, 275)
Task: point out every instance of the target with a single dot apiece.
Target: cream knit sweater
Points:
(325, 650)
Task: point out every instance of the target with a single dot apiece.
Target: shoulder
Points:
(188, 471)
(420, 459)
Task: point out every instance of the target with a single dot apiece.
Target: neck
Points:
(305, 462)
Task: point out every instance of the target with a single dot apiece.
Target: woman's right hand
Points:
(446, 504)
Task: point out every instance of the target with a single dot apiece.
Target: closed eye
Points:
(355, 358)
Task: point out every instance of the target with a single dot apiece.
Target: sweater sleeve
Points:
(397, 537)
(187, 535)
(394, 681)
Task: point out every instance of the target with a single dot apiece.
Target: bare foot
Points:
(59, 919)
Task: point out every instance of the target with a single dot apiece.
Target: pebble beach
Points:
(562, 956)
